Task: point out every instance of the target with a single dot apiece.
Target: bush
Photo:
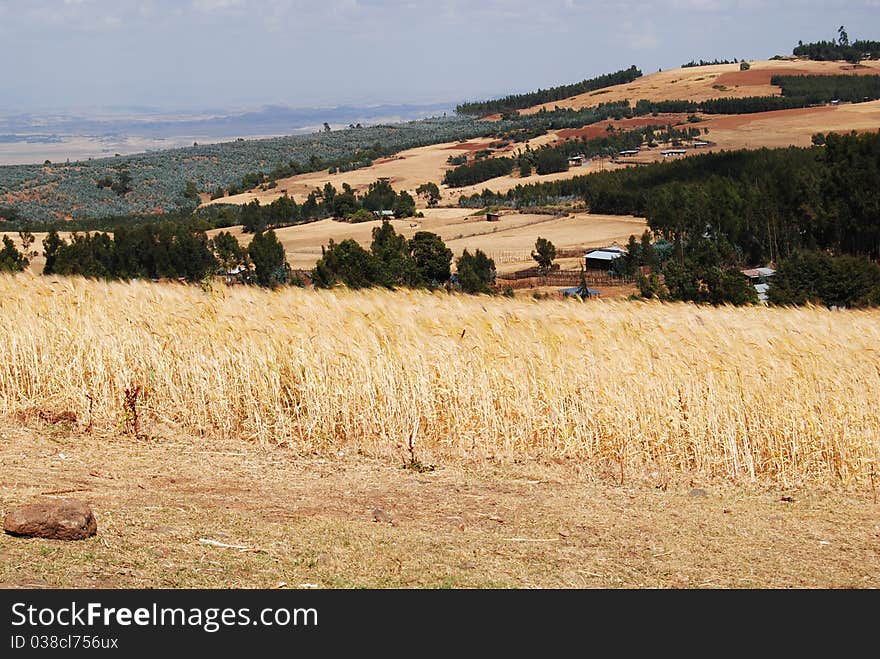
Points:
(475, 273)
(819, 278)
(270, 264)
(11, 260)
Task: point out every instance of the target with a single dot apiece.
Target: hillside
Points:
(772, 129)
(388, 425)
(700, 83)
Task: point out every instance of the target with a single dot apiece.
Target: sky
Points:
(237, 54)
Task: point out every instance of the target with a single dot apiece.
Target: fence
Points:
(562, 278)
(521, 256)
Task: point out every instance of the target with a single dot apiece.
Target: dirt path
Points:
(311, 521)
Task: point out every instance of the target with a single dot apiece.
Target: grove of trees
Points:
(703, 62)
(11, 259)
(423, 261)
(813, 89)
(518, 101)
(478, 171)
(174, 250)
(839, 49)
(734, 209)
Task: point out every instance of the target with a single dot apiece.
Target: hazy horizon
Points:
(238, 55)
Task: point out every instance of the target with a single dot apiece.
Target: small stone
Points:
(698, 492)
(66, 519)
(380, 515)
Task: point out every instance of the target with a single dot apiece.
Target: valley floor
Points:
(353, 521)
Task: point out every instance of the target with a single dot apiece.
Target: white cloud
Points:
(209, 6)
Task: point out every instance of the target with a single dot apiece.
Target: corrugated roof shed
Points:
(603, 255)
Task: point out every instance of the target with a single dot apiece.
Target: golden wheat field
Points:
(625, 388)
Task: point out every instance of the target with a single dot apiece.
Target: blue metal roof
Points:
(575, 290)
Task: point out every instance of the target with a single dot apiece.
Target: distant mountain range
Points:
(141, 122)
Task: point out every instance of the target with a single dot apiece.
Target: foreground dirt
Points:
(353, 521)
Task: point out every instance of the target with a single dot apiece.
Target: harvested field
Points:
(782, 128)
(406, 171)
(509, 241)
(761, 76)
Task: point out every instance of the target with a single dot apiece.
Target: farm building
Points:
(579, 292)
(576, 161)
(493, 217)
(759, 273)
(759, 277)
(629, 152)
(601, 259)
(700, 143)
(672, 152)
(237, 275)
(383, 213)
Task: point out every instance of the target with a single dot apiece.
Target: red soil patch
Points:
(467, 146)
(601, 129)
(737, 120)
(762, 76)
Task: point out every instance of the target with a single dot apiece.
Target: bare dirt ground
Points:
(601, 129)
(508, 241)
(348, 521)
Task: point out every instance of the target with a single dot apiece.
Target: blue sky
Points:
(232, 54)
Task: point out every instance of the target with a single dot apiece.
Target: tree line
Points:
(514, 102)
(160, 250)
(815, 89)
(325, 202)
(849, 88)
(183, 251)
(839, 49)
(478, 171)
(714, 62)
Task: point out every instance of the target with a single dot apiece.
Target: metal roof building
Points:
(601, 259)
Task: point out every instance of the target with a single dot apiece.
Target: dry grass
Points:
(624, 388)
(308, 521)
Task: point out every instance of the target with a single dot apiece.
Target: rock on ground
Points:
(66, 519)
